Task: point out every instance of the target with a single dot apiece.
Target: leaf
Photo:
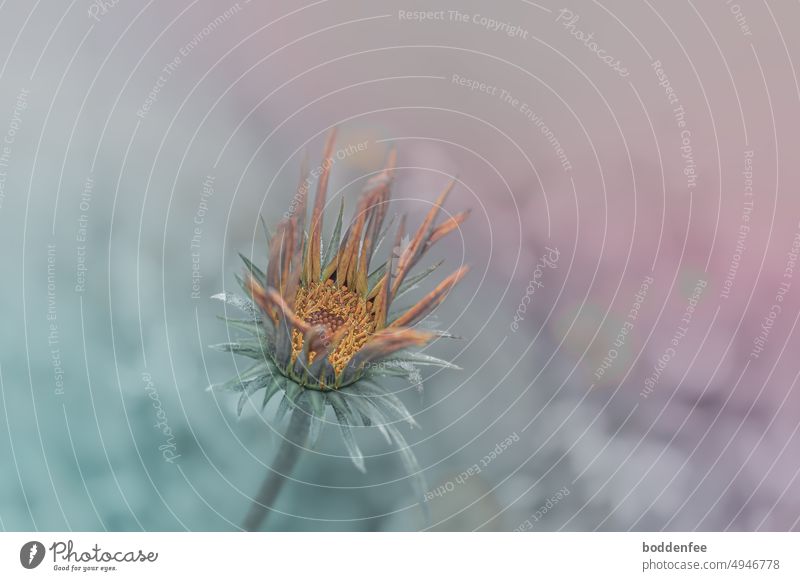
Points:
(386, 401)
(239, 302)
(257, 273)
(242, 400)
(333, 245)
(277, 383)
(237, 383)
(380, 371)
(413, 281)
(283, 342)
(248, 326)
(248, 348)
(315, 401)
(412, 467)
(267, 231)
(376, 276)
(371, 413)
(350, 399)
(241, 282)
(349, 440)
(293, 392)
(283, 407)
(340, 404)
(418, 358)
(382, 235)
(390, 368)
(441, 334)
(314, 430)
(249, 389)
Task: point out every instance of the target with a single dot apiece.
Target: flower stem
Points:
(294, 442)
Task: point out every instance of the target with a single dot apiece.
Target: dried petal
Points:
(431, 301)
(269, 300)
(385, 342)
(313, 255)
(417, 246)
(446, 227)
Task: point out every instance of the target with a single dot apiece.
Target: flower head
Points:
(321, 320)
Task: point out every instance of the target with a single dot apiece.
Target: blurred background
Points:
(629, 344)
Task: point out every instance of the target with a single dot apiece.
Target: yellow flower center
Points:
(334, 307)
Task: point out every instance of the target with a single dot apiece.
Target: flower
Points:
(320, 320)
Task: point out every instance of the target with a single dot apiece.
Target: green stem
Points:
(294, 442)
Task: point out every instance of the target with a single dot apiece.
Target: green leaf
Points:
(253, 327)
(314, 404)
(371, 413)
(283, 407)
(412, 281)
(317, 402)
(391, 368)
(239, 302)
(273, 387)
(314, 429)
(376, 276)
(412, 467)
(349, 440)
(382, 235)
(249, 389)
(395, 311)
(358, 418)
(418, 358)
(266, 229)
(333, 245)
(293, 392)
(386, 401)
(247, 348)
(282, 342)
(241, 283)
(340, 404)
(257, 273)
(441, 334)
(237, 383)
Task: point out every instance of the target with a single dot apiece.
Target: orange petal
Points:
(276, 249)
(431, 301)
(371, 209)
(388, 341)
(300, 201)
(417, 246)
(362, 272)
(259, 295)
(334, 265)
(381, 201)
(383, 295)
(447, 226)
(381, 284)
(288, 257)
(269, 299)
(347, 259)
(312, 265)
